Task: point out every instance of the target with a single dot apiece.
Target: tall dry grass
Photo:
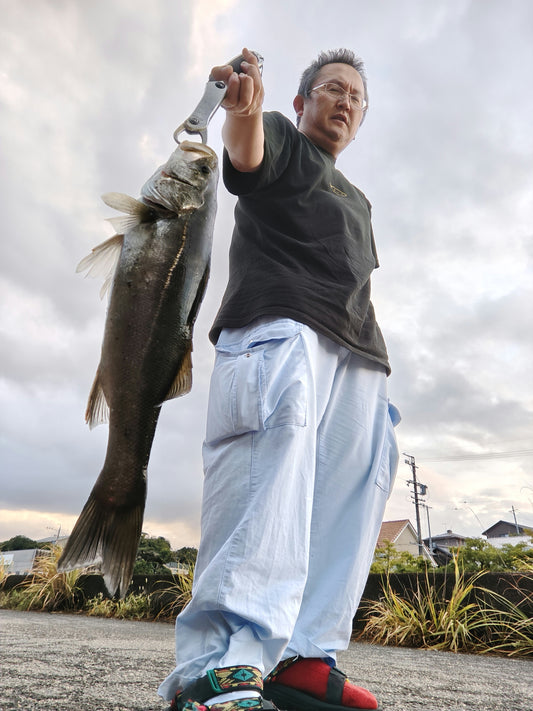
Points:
(470, 618)
(47, 589)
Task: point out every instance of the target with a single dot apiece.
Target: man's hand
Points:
(243, 129)
(245, 93)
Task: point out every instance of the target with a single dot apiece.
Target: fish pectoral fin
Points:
(102, 261)
(123, 223)
(136, 211)
(183, 381)
(97, 411)
(131, 206)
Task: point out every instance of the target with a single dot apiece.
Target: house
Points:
(20, 562)
(60, 541)
(506, 533)
(403, 536)
(447, 540)
(441, 544)
(504, 529)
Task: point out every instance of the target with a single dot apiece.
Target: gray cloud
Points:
(90, 95)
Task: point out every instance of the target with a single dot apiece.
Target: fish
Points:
(155, 269)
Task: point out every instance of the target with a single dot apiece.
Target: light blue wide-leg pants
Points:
(300, 456)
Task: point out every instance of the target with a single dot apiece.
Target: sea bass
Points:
(157, 266)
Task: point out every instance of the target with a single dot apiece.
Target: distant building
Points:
(402, 535)
(442, 544)
(504, 529)
(60, 541)
(20, 562)
(507, 533)
(447, 540)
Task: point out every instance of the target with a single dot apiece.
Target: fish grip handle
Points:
(213, 96)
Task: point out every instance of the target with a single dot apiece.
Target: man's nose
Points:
(344, 100)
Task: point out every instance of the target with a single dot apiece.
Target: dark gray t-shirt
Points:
(302, 246)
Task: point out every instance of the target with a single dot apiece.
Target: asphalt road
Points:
(52, 662)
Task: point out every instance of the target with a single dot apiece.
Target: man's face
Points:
(331, 122)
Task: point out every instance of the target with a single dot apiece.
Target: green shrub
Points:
(388, 559)
(478, 554)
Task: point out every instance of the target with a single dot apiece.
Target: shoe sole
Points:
(290, 699)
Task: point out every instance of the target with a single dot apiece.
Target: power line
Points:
(474, 457)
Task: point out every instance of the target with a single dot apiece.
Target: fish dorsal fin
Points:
(183, 381)
(97, 411)
(102, 261)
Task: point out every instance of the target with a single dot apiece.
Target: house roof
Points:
(527, 530)
(391, 530)
(446, 536)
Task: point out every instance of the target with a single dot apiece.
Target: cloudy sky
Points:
(90, 95)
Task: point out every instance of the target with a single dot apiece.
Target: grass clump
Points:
(46, 589)
(132, 607)
(468, 618)
(175, 595)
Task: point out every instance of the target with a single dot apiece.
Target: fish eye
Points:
(205, 170)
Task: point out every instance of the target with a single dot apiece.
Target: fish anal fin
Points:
(183, 381)
(97, 411)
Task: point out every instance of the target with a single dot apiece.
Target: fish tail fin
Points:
(107, 540)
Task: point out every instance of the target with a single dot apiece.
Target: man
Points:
(300, 452)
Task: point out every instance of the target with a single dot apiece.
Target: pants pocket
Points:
(388, 465)
(258, 383)
(235, 395)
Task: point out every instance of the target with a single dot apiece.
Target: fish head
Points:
(182, 183)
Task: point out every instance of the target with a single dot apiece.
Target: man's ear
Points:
(298, 104)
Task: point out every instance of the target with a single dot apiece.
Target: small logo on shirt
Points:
(337, 191)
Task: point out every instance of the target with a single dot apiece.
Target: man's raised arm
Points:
(242, 132)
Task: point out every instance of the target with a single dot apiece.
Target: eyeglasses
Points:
(336, 92)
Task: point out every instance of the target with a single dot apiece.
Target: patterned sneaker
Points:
(226, 680)
(300, 684)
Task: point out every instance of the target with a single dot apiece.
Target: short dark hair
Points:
(332, 56)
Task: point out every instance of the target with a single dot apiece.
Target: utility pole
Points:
(430, 546)
(515, 521)
(423, 489)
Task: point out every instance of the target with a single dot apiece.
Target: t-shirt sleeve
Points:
(279, 139)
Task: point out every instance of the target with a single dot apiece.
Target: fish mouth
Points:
(178, 179)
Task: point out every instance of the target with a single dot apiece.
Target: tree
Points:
(387, 559)
(478, 554)
(152, 555)
(186, 556)
(19, 543)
